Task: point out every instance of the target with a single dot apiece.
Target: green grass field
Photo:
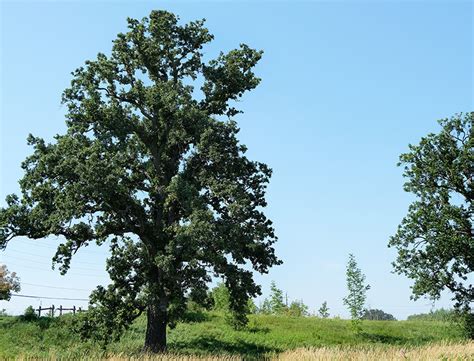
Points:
(212, 336)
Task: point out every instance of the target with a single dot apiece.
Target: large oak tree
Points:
(151, 165)
(435, 241)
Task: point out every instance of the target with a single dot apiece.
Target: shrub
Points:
(437, 315)
(29, 314)
(297, 309)
(377, 315)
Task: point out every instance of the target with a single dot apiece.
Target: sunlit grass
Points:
(212, 337)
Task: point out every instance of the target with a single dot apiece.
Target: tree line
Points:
(277, 302)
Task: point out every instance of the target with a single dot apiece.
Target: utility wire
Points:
(51, 298)
(59, 288)
(45, 264)
(51, 246)
(50, 270)
(36, 255)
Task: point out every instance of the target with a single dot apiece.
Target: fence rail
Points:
(52, 310)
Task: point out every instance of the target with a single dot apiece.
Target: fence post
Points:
(80, 309)
(73, 310)
(52, 311)
(39, 311)
(60, 310)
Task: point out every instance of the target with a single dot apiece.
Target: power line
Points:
(49, 271)
(53, 247)
(51, 298)
(59, 288)
(36, 255)
(43, 264)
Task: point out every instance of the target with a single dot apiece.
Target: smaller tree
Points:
(357, 288)
(277, 304)
(377, 315)
(9, 282)
(324, 310)
(265, 307)
(221, 300)
(221, 297)
(29, 314)
(297, 308)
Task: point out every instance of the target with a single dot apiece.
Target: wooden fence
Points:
(52, 310)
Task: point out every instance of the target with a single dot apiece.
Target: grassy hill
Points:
(210, 335)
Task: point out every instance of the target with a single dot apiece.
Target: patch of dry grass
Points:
(443, 351)
(437, 351)
(446, 351)
(124, 357)
(170, 357)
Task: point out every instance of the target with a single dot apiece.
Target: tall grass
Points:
(210, 335)
(443, 351)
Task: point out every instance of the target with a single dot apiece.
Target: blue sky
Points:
(346, 87)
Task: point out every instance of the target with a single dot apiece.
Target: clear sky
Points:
(346, 87)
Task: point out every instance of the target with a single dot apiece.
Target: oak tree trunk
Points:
(155, 338)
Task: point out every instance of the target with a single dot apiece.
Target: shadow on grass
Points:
(393, 340)
(210, 345)
(258, 329)
(195, 316)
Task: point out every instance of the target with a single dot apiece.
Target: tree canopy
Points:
(355, 299)
(323, 311)
(377, 315)
(9, 282)
(435, 241)
(277, 303)
(151, 166)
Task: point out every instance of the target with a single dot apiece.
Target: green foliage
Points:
(377, 315)
(265, 307)
(213, 336)
(276, 302)
(324, 310)
(9, 282)
(462, 317)
(466, 319)
(441, 314)
(297, 309)
(435, 242)
(355, 300)
(29, 314)
(221, 297)
(221, 303)
(251, 307)
(195, 312)
(151, 163)
(275, 305)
